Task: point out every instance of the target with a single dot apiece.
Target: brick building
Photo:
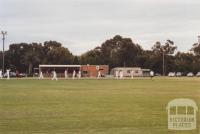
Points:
(92, 70)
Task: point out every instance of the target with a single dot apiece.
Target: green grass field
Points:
(92, 106)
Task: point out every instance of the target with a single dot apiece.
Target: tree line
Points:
(115, 52)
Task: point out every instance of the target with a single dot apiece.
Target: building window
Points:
(128, 71)
(85, 72)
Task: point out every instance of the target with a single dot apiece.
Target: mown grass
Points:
(135, 106)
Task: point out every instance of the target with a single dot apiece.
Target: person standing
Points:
(66, 74)
(74, 74)
(132, 73)
(41, 75)
(1, 74)
(121, 74)
(151, 74)
(99, 74)
(79, 74)
(116, 74)
(8, 74)
(54, 76)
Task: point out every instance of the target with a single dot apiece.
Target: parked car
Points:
(190, 74)
(12, 74)
(198, 74)
(22, 75)
(171, 74)
(157, 74)
(36, 74)
(178, 74)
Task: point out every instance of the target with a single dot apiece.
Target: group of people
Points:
(118, 74)
(74, 75)
(7, 74)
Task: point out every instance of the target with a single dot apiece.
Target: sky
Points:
(81, 25)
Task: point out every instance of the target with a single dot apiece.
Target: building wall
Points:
(47, 71)
(92, 70)
(137, 72)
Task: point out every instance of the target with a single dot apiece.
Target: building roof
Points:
(127, 68)
(59, 66)
(146, 69)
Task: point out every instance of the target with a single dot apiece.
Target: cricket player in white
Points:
(121, 74)
(66, 74)
(74, 74)
(151, 74)
(8, 74)
(41, 75)
(116, 74)
(1, 74)
(79, 74)
(99, 74)
(54, 76)
(132, 74)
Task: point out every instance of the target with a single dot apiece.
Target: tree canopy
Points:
(115, 52)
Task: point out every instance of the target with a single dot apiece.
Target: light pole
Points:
(167, 53)
(4, 33)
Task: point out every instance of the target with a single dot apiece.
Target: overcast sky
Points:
(80, 25)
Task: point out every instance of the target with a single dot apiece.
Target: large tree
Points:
(24, 57)
(117, 51)
(161, 52)
(196, 49)
(55, 53)
(33, 56)
(92, 57)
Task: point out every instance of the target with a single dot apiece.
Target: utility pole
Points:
(4, 33)
(163, 63)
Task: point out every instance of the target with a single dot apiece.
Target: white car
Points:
(198, 74)
(172, 74)
(190, 74)
(178, 74)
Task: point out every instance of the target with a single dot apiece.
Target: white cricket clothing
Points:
(132, 73)
(151, 73)
(121, 74)
(66, 74)
(1, 74)
(54, 76)
(74, 74)
(116, 74)
(99, 74)
(41, 75)
(79, 74)
(8, 74)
